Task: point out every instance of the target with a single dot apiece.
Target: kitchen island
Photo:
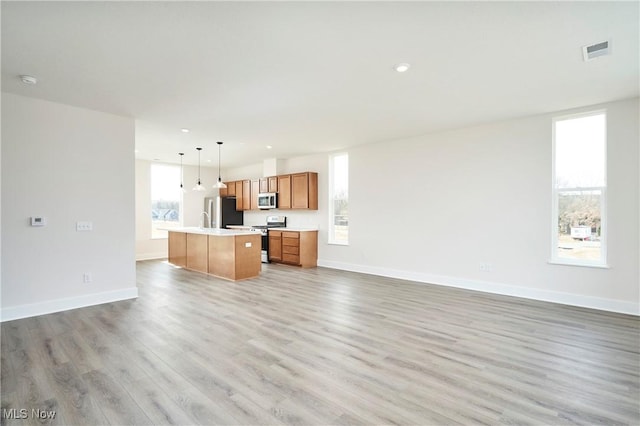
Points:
(225, 253)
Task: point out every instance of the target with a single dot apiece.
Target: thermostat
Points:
(38, 221)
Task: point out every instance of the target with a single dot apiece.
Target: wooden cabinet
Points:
(295, 191)
(231, 189)
(275, 246)
(291, 247)
(294, 247)
(246, 195)
(255, 190)
(197, 253)
(243, 195)
(178, 248)
(234, 258)
(264, 185)
(238, 185)
(284, 192)
(304, 191)
(272, 184)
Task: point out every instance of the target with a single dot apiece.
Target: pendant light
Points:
(199, 186)
(181, 154)
(219, 184)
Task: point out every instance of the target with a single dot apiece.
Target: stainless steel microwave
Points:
(267, 200)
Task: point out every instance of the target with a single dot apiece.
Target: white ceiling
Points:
(308, 77)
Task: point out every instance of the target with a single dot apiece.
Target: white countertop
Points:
(214, 231)
(294, 229)
(277, 228)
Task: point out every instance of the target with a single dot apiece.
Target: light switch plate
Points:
(84, 226)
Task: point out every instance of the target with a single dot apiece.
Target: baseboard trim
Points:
(151, 256)
(65, 304)
(602, 304)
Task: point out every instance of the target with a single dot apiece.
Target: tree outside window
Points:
(339, 199)
(579, 193)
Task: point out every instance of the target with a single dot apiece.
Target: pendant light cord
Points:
(199, 149)
(181, 154)
(219, 160)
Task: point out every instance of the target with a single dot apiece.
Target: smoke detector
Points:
(596, 50)
(27, 79)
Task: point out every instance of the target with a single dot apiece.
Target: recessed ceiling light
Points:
(185, 130)
(403, 67)
(27, 79)
(208, 161)
(136, 151)
(269, 147)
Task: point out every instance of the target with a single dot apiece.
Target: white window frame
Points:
(555, 191)
(331, 229)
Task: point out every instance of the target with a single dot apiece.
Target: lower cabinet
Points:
(233, 257)
(275, 246)
(178, 249)
(197, 251)
(291, 247)
(298, 248)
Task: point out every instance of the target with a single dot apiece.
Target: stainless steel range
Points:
(272, 222)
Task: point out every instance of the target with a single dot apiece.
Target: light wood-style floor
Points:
(318, 347)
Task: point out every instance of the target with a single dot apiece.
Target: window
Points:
(579, 189)
(339, 199)
(166, 199)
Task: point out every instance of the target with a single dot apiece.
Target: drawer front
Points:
(275, 233)
(291, 258)
(290, 250)
(295, 235)
(290, 242)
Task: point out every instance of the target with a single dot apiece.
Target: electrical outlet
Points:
(86, 278)
(484, 266)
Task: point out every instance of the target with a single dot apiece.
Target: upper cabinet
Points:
(238, 185)
(255, 190)
(295, 191)
(246, 195)
(284, 192)
(231, 189)
(304, 191)
(272, 184)
(264, 185)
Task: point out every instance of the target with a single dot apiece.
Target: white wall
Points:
(431, 208)
(67, 164)
(193, 205)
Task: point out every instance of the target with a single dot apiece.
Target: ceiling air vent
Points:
(596, 50)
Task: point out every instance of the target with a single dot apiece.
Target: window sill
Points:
(586, 265)
(335, 243)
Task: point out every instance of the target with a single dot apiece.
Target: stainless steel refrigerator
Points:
(228, 215)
